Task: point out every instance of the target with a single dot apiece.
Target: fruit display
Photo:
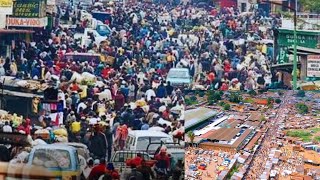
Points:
(15, 119)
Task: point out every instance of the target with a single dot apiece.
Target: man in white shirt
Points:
(150, 93)
(7, 128)
(106, 94)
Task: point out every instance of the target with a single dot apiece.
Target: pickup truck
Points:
(85, 37)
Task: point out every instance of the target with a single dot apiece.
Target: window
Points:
(143, 143)
(178, 74)
(52, 158)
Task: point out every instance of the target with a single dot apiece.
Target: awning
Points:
(15, 31)
(304, 51)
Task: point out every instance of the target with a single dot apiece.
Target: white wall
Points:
(2, 21)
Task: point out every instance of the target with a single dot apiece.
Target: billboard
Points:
(6, 6)
(27, 22)
(29, 8)
(313, 66)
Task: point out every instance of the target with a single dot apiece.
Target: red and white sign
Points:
(313, 67)
(27, 22)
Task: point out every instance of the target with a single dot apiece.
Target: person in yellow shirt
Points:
(170, 59)
(75, 130)
(75, 127)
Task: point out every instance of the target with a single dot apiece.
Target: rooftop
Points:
(222, 134)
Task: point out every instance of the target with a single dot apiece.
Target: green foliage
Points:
(311, 5)
(252, 93)
(270, 100)
(235, 169)
(191, 101)
(302, 108)
(248, 100)
(201, 93)
(278, 101)
(226, 107)
(214, 96)
(221, 103)
(301, 93)
(316, 139)
(305, 136)
(193, 98)
(235, 97)
(191, 136)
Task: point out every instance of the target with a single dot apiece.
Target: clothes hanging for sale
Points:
(52, 106)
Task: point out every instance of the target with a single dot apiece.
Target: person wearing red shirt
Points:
(136, 161)
(211, 77)
(224, 87)
(105, 72)
(74, 86)
(98, 170)
(163, 160)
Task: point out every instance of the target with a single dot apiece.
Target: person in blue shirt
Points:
(145, 125)
(161, 91)
(35, 72)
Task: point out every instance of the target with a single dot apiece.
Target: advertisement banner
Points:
(6, 7)
(29, 8)
(27, 22)
(313, 67)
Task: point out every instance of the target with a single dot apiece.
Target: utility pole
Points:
(295, 60)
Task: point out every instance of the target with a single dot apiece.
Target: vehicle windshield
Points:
(178, 74)
(102, 28)
(143, 143)
(52, 158)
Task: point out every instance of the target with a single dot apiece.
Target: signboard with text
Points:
(27, 22)
(313, 66)
(29, 8)
(6, 7)
(307, 39)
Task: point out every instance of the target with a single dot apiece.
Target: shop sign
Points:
(27, 22)
(313, 66)
(6, 6)
(5, 3)
(29, 8)
(304, 40)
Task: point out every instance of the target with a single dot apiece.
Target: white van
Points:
(138, 140)
(179, 77)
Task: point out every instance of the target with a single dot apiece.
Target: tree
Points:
(302, 108)
(278, 101)
(270, 100)
(226, 107)
(311, 5)
(191, 136)
(235, 97)
(262, 118)
(301, 93)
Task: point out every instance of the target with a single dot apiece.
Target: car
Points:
(179, 77)
(225, 163)
(215, 160)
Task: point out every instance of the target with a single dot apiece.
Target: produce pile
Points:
(15, 119)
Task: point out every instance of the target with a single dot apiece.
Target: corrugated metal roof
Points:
(195, 116)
